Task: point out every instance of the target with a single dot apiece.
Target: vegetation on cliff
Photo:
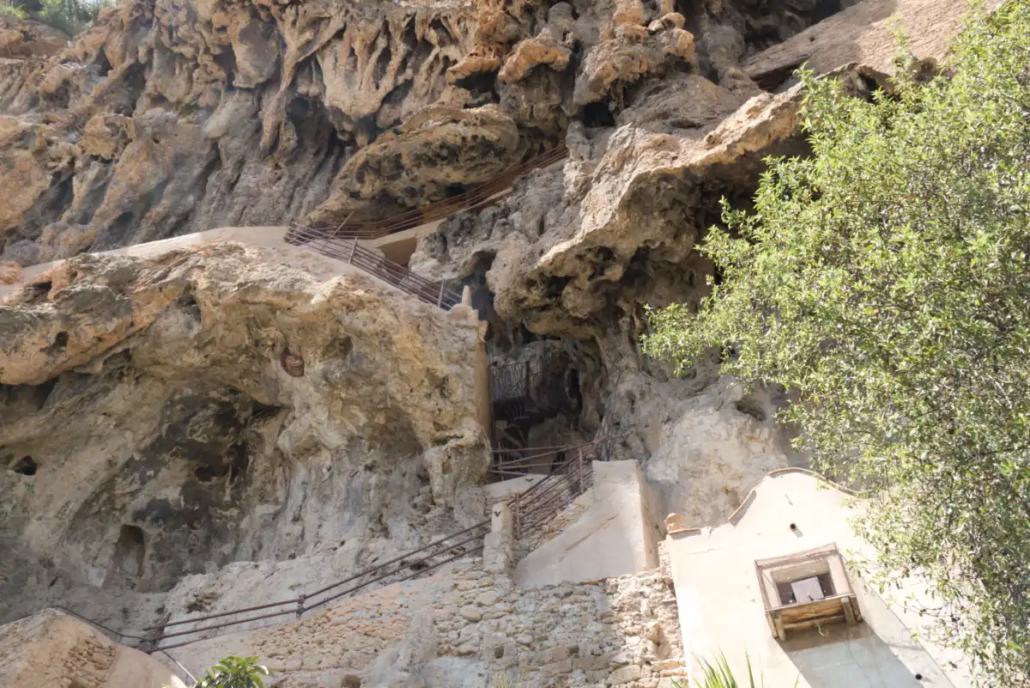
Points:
(885, 281)
(70, 16)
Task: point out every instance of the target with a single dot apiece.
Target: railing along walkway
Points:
(531, 510)
(350, 252)
(399, 569)
(478, 197)
(567, 481)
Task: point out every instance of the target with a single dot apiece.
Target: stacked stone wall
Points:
(469, 627)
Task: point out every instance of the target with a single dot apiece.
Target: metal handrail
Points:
(352, 253)
(151, 637)
(307, 602)
(560, 488)
(470, 200)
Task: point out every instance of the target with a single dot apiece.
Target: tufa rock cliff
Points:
(167, 416)
(170, 117)
(196, 429)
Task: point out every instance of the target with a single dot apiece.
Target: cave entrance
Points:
(534, 403)
(129, 553)
(598, 115)
(26, 465)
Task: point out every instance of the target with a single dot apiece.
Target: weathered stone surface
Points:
(53, 649)
(627, 57)
(544, 49)
(167, 439)
(424, 633)
(406, 164)
(862, 33)
(644, 189)
(10, 273)
(169, 118)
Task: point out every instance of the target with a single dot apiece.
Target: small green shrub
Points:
(234, 672)
(9, 11)
(719, 675)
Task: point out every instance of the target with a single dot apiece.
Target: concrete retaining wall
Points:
(613, 536)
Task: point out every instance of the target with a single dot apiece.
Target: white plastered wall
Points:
(721, 609)
(614, 536)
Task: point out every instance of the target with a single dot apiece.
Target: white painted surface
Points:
(721, 608)
(613, 537)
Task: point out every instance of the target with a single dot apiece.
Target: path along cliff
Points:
(171, 422)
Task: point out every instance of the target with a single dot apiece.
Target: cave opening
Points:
(298, 111)
(598, 114)
(129, 551)
(103, 64)
(827, 8)
(226, 60)
(240, 462)
(478, 82)
(26, 465)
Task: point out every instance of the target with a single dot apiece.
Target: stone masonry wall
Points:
(468, 628)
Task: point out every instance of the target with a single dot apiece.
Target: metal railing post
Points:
(582, 474)
(516, 510)
(353, 247)
(439, 300)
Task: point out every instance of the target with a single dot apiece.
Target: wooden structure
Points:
(806, 589)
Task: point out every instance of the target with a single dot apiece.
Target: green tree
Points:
(70, 16)
(885, 281)
(234, 672)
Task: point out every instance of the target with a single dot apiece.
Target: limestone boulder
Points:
(542, 50)
(627, 57)
(54, 649)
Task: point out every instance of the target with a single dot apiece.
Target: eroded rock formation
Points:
(206, 430)
(169, 118)
(166, 416)
(576, 254)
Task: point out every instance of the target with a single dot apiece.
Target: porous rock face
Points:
(173, 117)
(167, 416)
(577, 253)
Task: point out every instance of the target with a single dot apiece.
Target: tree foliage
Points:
(234, 672)
(70, 16)
(885, 281)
